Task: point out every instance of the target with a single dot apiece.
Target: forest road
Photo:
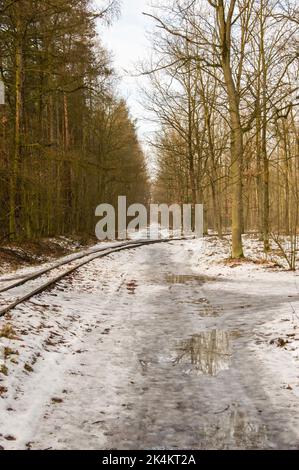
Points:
(167, 358)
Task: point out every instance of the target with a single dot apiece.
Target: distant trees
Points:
(66, 141)
(225, 74)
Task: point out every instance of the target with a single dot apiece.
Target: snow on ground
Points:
(14, 255)
(5, 280)
(164, 346)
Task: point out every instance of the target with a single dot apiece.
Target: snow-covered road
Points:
(160, 347)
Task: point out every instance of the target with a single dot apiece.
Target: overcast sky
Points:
(126, 40)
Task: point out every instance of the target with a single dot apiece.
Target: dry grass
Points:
(3, 369)
(10, 352)
(7, 331)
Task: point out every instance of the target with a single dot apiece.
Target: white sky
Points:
(126, 40)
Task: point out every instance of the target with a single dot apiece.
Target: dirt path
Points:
(164, 353)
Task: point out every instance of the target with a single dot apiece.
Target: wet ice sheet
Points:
(123, 358)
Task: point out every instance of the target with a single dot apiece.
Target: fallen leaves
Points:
(279, 342)
(3, 390)
(132, 286)
(28, 367)
(287, 387)
(57, 400)
(9, 437)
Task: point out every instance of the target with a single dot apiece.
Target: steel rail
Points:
(75, 257)
(91, 257)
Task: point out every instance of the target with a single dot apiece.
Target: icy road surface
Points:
(160, 347)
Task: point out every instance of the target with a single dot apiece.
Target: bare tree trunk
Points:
(266, 204)
(236, 128)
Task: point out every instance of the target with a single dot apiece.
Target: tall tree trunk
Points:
(192, 176)
(237, 150)
(266, 203)
(67, 167)
(14, 201)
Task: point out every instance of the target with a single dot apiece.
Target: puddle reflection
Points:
(235, 429)
(208, 353)
(203, 307)
(188, 278)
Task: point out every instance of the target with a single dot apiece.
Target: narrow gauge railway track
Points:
(85, 258)
(22, 279)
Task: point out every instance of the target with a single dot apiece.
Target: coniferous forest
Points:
(67, 141)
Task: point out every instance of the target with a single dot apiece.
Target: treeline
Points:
(224, 90)
(67, 142)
